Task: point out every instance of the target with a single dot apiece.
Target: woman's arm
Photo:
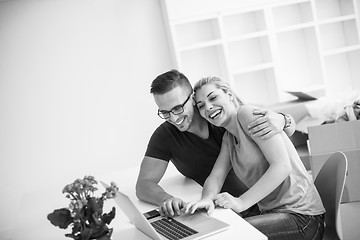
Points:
(213, 183)
(276, 154)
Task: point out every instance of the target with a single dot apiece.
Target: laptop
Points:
(186, 227)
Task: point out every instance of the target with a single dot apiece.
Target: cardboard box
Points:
(334, 137)
(326, 139)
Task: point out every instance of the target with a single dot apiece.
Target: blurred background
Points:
(74, 91)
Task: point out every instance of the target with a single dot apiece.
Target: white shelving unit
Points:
(264, 48)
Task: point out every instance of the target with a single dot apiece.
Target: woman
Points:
(278, 182)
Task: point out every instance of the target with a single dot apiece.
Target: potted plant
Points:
(85, 212)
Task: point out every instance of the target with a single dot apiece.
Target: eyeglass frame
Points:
(180, 107)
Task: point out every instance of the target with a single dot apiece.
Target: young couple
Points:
(239, 154)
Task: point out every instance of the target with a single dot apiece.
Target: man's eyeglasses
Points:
(176, 110)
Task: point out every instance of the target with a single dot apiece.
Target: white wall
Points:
(74, 90)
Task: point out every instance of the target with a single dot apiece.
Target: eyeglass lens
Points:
(176, 110)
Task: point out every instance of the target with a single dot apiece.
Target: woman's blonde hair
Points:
(219, 84)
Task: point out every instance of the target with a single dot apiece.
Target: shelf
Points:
(254, 68)
(292, 14)
(263, 48)
(313, 90)
(347, 35)
(257, 87)
(341, 50)
(299, 58)
(244, 23)
(296, 27)
(248, 36)
(203, 62)
(337, 19)
(249, 52)
(201, 45)
(192, 33)
(342, 72)
(334, 8)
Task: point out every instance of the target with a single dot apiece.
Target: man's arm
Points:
(148, 189)
(269, 123)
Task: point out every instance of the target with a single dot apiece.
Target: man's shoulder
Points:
(166, 127)
(165, 131)
(161, 142)
(216, 129)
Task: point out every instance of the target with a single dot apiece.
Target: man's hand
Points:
(171, 207)
(267, 124)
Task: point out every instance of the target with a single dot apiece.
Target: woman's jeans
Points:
(288, 225)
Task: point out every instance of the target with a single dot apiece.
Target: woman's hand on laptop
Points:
(172, 207)
(205, 203)
(226, 200)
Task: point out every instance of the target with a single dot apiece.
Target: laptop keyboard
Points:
(172, 229)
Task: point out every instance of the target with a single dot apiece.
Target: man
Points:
(190, 142)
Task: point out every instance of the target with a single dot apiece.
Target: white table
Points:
(33, 224)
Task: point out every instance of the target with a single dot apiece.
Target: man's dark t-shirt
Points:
(193, 156)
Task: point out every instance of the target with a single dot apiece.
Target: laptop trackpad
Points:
(198, 221)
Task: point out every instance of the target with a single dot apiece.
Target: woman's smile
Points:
(215, 114)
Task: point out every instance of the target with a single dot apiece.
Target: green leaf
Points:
(86, 233)
(95, 205)
(60, 218)
(108, 217)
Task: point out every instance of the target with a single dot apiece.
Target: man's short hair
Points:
(168, 81)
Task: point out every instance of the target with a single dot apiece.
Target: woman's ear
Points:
(230, 95)
(233, 98)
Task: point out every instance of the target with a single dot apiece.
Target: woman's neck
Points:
(231, 124)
